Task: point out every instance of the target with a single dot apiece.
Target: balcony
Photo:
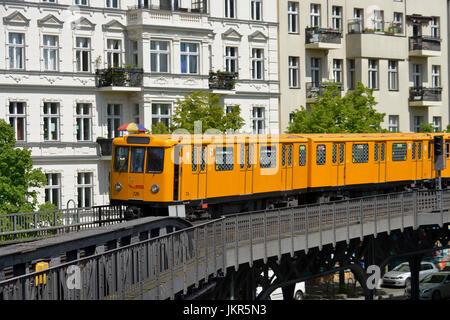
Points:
(317, 89)
(321, 38)
(119, 79)
(424, 47)
(365, 42)
(105, 148)
(196, 6)
(222, 81)
(425, 97)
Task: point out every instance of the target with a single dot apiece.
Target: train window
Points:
(249, 156)
(321, 154)
(419, 151)
(155, 160)
(382, 151)
(268, 156)
(203, 159)
(376, 153)
(334, 153)
(341, 153)
(290, 155)
(121, 159)
(242, 157)
(137, 160)
(302, 155)
(447, 153)
(429, 149)
(283, 155)
(194, 159)
(224, 158)
(414, 151)
(399, 151)
(360, 153)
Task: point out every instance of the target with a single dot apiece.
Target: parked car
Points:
(277, 294)
(400, 276)
(434, 286)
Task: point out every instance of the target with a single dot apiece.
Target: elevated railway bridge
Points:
(226, 258)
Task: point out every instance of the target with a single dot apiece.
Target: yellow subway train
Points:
(213, 175)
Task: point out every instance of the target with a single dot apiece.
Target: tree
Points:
(18, 179)
(426, 127)
(332, 113)
(204, 106)
(159, 128)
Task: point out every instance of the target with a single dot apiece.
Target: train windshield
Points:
(137, 160)
(121, 159)
(155, 160)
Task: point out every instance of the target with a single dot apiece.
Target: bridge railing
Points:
(169, 264)
(25, 225)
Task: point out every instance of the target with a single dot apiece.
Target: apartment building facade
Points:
(397, 47)
(60, 94)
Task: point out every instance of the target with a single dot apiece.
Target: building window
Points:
(336, 16)
(337, 70)
(50, 46)
(114, 53)
(84, 121)
(418, 120)
(81, 2)
(53, 188)
(436, 76)
(83, 54)
(51, 121)
(16, 51)
(358, 15)
(417, 79)
(351, 74)
(257, 64)
(113, 118)
(136, 113)
(435, 32)
(256, 8)
(393, 123)
(437, 124)
(315, 72)
(392, 75)
(189, 58)
(378, 20)
(84, 188)
(258, 120)
(373, 74)
(293, 72)
(161, 113)
(231, 59)
(398, 22)
(49, 1)
(315, 15)
(112, 4)
(292, 17)
(134, 53)
(159, 56)
(17, 119)
(291, 117)
(230, 9)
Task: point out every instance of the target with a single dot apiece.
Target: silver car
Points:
(400, 276)
(434, 286)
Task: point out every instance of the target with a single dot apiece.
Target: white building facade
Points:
(50, 94)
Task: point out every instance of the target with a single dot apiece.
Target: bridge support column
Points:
(414, 266)
(232, 285)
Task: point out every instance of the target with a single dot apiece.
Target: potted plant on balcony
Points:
(367, 30)
(115, 76)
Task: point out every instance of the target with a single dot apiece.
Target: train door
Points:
(136, 173)
(199, 170)
(380, 160)
(428, 167)
(417, 158)
(338, 162)
(286, 166)
(246, 168)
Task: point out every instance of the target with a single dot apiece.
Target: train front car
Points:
(142, 172)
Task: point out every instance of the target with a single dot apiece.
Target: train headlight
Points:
(155, 188)
(118, 186)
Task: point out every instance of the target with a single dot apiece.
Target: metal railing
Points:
(119, 77)
(26, 225)
(316, 89)
(424, 43)
(105, 146)
(425, 94)
(158, 268)
(197, 6)
(316, 35)
(222, 80)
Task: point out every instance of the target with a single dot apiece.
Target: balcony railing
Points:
(119, 77)
(317, 35)
(417, 94)
(105, 146)
(222, 80)
(316, 89)
(385, 28)
(197, 6)
(424, 43)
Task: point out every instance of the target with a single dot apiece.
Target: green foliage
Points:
(159, 128)
(47, 206)
(204, 106)
(426, 127)
(18, 179)
(448, 128)
(333, 113)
